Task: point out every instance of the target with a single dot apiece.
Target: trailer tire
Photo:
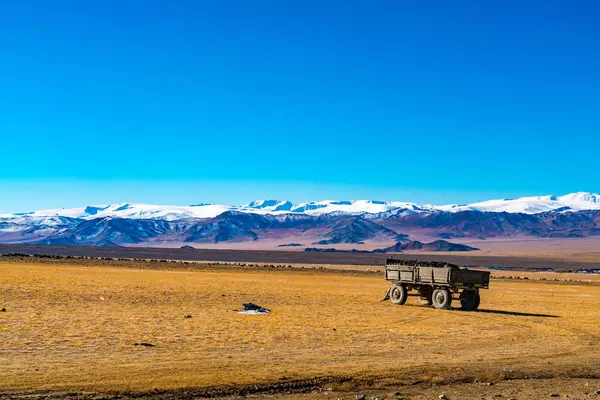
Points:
(424, 297)
(469, 300)
(398, 294)
(478, 297)
(441, 298)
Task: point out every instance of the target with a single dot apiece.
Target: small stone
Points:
(597, 392)
(3, 309)
(490, 383)
(187, 316)
(555, 395)
(145, 344)
(360, 397)
(443, 397)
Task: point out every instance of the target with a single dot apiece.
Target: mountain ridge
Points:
(319, 229)
(577, 201)
(319, 223)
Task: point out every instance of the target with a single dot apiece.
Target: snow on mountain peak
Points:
(580, 197)
(351, 206)
(528, 205)
(533, 204)
(271, 205)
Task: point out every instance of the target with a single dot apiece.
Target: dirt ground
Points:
(71, 331)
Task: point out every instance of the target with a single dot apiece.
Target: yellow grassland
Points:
(74, 327)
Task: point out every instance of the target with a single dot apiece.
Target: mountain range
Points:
(312, 223)
(526, 205)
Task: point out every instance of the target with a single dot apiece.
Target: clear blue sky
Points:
(225, 101)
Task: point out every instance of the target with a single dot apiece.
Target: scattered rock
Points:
(335, 330)
(597, 392)
(360, 397)
(145, 344)
(555, 395)
(3, 309)
(490, 383)
(187, 316)
(443, 397)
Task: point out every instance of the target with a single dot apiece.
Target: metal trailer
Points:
(435, 283)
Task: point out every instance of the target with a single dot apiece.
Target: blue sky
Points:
(226, 101)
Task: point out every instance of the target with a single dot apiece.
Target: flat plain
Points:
(534, 254)
(73, 328)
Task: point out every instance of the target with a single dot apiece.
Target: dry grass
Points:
(74, 327)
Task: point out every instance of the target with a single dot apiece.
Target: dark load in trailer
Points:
(435, 283)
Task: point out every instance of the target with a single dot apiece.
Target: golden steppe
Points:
(71, 327)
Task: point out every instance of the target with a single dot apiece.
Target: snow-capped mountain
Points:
(526, 205)
(138, 211)
(271, 205)
(533, 205)
(314, 223)
(354, 207)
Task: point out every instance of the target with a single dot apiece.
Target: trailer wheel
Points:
(469, 300)
(424, 297)
(478, 300)
(441, 298)
(398, 294)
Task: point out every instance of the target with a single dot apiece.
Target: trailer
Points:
(435, 283)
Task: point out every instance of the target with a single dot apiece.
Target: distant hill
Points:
(355, 230)
(438, 245)
(333, 250)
